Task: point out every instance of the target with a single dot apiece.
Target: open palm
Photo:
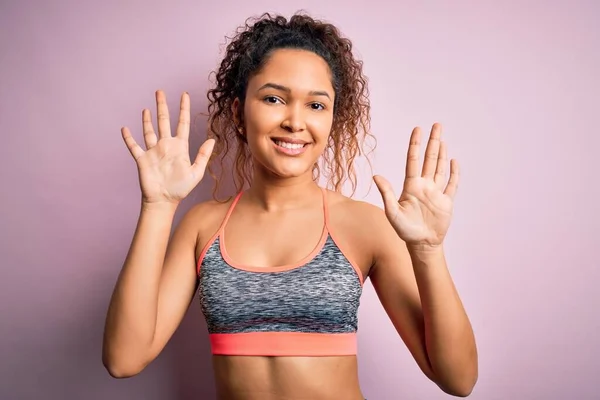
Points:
(165, 171)
(423, 212)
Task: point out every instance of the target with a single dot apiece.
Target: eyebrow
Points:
(288, 90)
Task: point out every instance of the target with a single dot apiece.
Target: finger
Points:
(135, 150)
(149, 135)
(452, 186)
(202, 158)
(183, 126)
(387, 192)
(431, 152)
(440, 169)
(162, 117)
(412, 157)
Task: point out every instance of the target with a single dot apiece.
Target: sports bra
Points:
(305, 309)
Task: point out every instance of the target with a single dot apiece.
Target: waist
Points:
(270, 378)
(297, 344)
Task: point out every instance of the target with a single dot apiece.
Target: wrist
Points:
(424, 250)
(160, 207)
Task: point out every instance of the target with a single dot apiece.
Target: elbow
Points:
(458, 378)
(119, 372)
(459, 387)
(459, 391)
(120, 369)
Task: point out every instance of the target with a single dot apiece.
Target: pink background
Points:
(515, 86)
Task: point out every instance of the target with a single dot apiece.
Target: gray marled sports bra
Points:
(306, 309)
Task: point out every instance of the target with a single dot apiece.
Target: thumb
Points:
(387, 192)
(203, 157)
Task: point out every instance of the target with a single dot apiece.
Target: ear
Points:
(236, 112)
(238, 119)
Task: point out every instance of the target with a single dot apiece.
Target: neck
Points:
(272, 193)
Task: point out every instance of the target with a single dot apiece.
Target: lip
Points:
(289, 140)
(290, 152)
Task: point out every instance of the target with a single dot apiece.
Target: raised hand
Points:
(165, 171)
(422, 214)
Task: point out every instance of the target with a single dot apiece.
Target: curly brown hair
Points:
(247, 52)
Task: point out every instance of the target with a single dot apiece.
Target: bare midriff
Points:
(286, 378)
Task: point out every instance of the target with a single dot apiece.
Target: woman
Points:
(279, 267)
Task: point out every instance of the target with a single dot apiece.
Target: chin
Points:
(286, 169)
(290, 172)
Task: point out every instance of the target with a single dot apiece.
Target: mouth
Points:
(290, 146)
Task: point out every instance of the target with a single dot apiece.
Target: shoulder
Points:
(368, 223)
(207, 211)
(361, 213)
(204, 219)
(362, 228)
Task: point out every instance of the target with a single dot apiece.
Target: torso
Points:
(258, 239)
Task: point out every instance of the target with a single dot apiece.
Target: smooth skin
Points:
(278, 221)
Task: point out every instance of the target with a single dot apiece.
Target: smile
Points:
(290, 148)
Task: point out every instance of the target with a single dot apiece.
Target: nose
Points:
(294, 120)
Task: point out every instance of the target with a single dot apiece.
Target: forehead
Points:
(300, 70)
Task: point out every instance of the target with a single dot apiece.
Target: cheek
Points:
(321, 129)
(262, 119)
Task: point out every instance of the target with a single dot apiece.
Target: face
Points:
(288, 113)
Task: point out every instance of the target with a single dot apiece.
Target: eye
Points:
(317, 106)
(271, 99)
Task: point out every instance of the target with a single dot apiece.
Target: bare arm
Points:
(449, 336)
(417, 292)
(157, 282)
(411, 275)
(153, 291)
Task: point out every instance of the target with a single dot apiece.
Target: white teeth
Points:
(289, 145)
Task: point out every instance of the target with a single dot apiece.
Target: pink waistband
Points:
(283, 344)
